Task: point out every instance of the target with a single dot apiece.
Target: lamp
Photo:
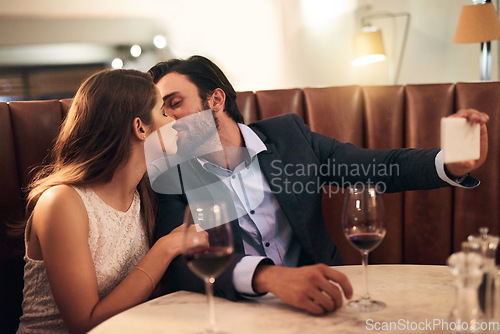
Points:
(368, 46)
(479, 23)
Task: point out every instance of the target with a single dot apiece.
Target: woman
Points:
(88, 238)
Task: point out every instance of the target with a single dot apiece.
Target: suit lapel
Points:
(196, 180)
(270, 160)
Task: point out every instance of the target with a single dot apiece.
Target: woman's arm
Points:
(60, 225)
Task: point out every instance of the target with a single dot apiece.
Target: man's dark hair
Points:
(205, 75)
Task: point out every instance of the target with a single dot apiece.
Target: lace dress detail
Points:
(117, 242)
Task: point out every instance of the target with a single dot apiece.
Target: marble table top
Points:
(418, 297)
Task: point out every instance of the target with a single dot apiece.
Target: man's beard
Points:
(198, 134)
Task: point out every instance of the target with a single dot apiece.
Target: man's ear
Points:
(217, 100)
(139, 129)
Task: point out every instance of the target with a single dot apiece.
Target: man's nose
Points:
(169, 113)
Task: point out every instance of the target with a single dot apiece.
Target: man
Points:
(281, 242)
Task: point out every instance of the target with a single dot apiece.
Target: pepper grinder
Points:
(467, 269)
(486, 245)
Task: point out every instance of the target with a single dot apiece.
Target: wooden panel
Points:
(428, 213)
(336, 112)
(384, 115)
(278, 102)
(11, 84)
(56, 83)
(479, 207)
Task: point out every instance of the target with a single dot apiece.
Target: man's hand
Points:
(317, 288)
(458, 169)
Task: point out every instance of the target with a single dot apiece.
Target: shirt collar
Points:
(253, 144)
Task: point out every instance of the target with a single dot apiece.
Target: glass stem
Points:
(209, 290)
(364, 259)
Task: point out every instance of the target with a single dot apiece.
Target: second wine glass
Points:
(363, 222)
(208, 247)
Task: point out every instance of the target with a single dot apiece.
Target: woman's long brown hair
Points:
(94, 140)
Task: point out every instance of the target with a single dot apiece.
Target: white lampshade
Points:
(368, 47)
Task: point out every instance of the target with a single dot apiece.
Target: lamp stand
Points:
(399, 61)
(478, 23)
(485, 62)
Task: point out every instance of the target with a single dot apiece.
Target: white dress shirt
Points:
(266, 233)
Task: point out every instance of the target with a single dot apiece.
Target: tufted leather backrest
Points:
(336, 112)
(10, 193)
(480, 206)
(384, 129)
(278, 102)
(427, 214)
(247, 105)
(29, 129)
(35, 125)
(424, 227)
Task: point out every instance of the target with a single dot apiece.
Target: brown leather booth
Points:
(423, 227)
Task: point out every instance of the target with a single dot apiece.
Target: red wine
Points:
(365, 241)
(208, 261)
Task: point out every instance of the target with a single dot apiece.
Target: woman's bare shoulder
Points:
(59, 192)
(59, 203)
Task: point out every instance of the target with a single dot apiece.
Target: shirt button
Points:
(252, 212)
(234, 176)
(267, 244)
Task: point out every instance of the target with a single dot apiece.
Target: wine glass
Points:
(364, 228)
(208, 247)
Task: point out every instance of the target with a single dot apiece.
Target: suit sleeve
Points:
(178, 276)
(394, 170)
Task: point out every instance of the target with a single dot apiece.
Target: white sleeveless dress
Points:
(117, 242)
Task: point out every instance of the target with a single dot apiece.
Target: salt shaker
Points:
(467, 269)
(486, 245)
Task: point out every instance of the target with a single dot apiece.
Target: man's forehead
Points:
(174, 83)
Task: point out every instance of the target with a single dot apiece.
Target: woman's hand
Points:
(172, 243)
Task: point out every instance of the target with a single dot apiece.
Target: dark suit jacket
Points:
(295, 159)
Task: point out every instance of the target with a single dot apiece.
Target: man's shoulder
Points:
(283, 130)
(284, 122)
